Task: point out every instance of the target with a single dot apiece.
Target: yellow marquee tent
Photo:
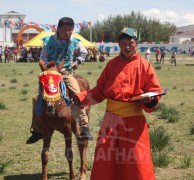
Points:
(37, 40)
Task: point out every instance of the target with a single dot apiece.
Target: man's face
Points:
(128, 46)
(65, 32)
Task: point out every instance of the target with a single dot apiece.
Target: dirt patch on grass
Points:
(174, 174)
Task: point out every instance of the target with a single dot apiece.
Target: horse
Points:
(104, 53)
(57, 116)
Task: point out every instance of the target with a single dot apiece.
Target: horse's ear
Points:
(60, 66)
(42, 66)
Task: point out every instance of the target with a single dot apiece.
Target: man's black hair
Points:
(123, 36)
(65, 21)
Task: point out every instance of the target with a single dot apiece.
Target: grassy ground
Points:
(18, 84)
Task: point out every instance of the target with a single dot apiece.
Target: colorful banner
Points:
(84, 24)
(46, 27)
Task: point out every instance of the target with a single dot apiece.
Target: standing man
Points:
(6, 54)
(147, 54)
(62, 46)
(123, 145)
(173, 58)
(157, 51)
(1, 52)
(15, 54)
(162, 53)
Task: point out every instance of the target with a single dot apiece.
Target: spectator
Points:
(29, 56)
(173, 58)
(162, 55)
(101, 58)
(6, 54)
(23, 54)
(147, 54)
(1, 52)
(157, 51)
(15, 54)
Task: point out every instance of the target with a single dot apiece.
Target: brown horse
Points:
(57, 116)
(104, 53)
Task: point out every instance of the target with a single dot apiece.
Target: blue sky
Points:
(179, 12)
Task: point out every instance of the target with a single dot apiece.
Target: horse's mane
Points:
(51, 64)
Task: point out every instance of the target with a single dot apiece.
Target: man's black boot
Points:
(34, 137)
(85, 133)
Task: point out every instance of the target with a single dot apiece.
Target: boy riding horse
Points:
(58, 47)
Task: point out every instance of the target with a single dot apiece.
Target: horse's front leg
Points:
(44, 156)
(69, 153)
(82, 144)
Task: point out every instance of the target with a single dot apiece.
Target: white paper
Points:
(150, 94)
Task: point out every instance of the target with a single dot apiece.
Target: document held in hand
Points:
(150, 94)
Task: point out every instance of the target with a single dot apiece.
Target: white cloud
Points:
(189, 18)
(166, 15)
(101, 17)
(169, 16)
(151, 12)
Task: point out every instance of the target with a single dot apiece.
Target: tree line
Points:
(149, 30)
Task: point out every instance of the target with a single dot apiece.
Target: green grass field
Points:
(19, 83)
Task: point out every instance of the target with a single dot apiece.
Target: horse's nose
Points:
(49, 108)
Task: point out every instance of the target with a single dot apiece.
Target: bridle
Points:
(50, 107)
(50, 82)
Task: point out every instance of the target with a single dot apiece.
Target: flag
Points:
(7, 23)
(80, 24)
(84, 24)
(12, 23)
(54, 28)
(90, 24)
(33, 23)
(77, 26)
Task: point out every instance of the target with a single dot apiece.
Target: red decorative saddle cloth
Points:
(50, 81)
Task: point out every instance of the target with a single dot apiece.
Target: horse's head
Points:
(50, 80)
(50, 108)
(51, 66)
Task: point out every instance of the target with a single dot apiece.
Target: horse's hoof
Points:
(82, 177)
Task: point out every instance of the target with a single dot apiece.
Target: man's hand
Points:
(76, 101)
(147, 99)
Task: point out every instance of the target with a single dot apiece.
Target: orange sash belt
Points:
(124, 109)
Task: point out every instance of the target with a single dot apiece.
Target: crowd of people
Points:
(29, 55)
(95, 55)
(160, 55)
(11, 54)
(25, 54)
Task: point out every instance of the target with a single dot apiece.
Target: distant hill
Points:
(189, 28)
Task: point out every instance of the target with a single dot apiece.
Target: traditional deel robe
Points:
(123, 146)
(58, 52)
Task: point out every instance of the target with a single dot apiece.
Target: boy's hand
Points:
(74, 66)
